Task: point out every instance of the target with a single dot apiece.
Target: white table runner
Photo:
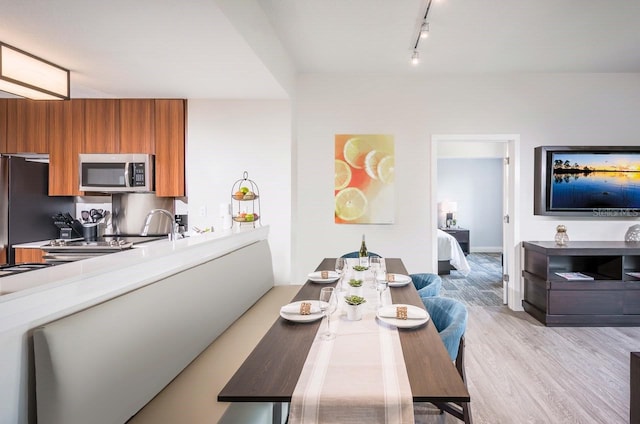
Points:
(358, 377)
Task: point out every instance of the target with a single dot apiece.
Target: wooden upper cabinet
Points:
(66, 134)
(137, 126)
(64, 129)
(102, 129)
(78, 124)
(27, 126)
(3, 127)
(170, 117)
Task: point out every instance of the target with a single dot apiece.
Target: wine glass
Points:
(381, 284)
(374, 262)
(339, 267)
(328, 305)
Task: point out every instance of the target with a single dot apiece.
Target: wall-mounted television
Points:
(597, 181)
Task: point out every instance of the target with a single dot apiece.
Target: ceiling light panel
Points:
(28, 76)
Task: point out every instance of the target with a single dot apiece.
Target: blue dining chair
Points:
(427, 284)
(357, 255)
(450, 319)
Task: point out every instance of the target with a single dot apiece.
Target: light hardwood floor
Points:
(519, 371)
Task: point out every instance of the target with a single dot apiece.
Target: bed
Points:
(450, 255)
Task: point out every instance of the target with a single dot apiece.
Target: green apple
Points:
(245, 190)
(249, 217)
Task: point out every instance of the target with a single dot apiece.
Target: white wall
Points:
(475, 184)
(250, 20)
(226, 138)
(544, 109)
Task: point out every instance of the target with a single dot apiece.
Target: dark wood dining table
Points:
(270, 373)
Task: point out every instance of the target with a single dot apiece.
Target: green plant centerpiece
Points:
(354, 307)
(355, 283)
(355, 300)
(360, 268)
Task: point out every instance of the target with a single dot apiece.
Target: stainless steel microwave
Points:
(117, 173)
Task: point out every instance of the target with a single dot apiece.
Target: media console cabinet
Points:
(610, 298)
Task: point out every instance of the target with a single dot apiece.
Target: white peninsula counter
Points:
(39, 297)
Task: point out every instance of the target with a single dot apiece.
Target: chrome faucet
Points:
(173, 235)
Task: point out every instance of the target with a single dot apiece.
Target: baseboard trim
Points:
(489, 249)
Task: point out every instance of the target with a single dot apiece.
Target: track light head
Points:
(415, 58)
(424, 30)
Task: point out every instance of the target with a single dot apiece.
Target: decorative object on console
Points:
(633, 233)
(246, 204)
(562, 238)
(29, 76)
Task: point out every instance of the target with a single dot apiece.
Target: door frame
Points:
(511, 230)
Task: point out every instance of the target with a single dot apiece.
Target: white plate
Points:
(301, 318)
(316, 277)
(400, 280)
(404, 323)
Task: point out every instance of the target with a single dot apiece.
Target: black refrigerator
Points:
(26, 210)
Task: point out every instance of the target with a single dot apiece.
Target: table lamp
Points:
(451, 209)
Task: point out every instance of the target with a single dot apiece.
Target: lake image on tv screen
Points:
(595, 180)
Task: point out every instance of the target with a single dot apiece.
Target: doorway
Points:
(508, 146)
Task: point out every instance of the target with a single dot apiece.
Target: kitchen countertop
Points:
(76, 285)
(31, 245)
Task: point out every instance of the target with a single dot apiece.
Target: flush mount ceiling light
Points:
(26, 75)
(423, 33)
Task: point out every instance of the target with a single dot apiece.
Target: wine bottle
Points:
(363, 254)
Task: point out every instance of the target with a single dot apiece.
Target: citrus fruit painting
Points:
(343, 175)
(364, 179)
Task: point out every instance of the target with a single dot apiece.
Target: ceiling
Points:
(224, 49)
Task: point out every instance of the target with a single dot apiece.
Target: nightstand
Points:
(460, 234)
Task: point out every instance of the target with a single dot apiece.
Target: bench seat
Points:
(191, 396)
(105, 363)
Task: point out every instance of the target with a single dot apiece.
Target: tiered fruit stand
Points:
(245, 197)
